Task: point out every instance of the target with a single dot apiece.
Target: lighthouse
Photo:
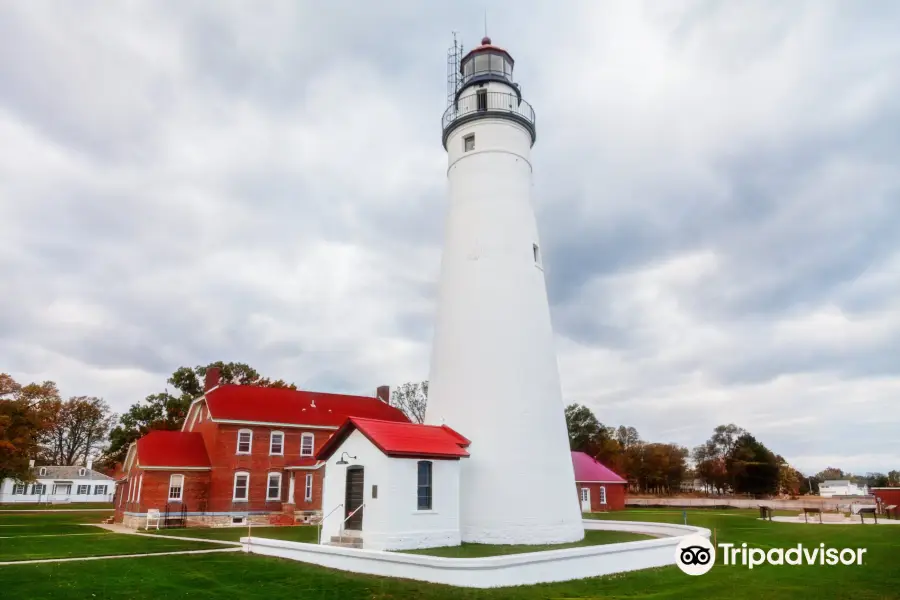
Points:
(494, 374)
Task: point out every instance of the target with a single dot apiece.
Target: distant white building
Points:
(841, 487)
(59, 485)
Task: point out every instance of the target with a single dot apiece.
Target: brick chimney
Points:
(213, 377)
(383, 393)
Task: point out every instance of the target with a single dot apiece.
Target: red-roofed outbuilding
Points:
(599, 488)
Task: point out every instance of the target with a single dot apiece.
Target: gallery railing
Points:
(488, 103)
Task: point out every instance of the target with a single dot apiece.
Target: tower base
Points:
(524, 534)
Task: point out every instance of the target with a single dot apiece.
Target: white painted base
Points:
(498, 571)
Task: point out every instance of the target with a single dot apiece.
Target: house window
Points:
(19, 489)
(469, 142)
(99, 490)
(83, 490)
(536, 251)
(141, 485)
(276, 443)
(62, 488)
(200, 415)
(307, 493)
(39, 489)
(241, 485)
(273, 490)
(424, 491)
(43, 471)
(307, 442)
(602, 494)
(176, 487)
(245, 441)
(81, 472)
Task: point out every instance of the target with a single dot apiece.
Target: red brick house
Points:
(599, 488)
(244, 452)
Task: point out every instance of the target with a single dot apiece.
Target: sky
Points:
(716, 186)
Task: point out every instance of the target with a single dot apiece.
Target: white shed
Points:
(392, 486)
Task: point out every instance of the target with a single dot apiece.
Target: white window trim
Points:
(602, 494)
(269, 485)
(81, 472)
(87, 489)
(312, 451)
(141, 485)
(238, 447)
(308, 488)
(234, 497)
(584, 494)
(16, 486)
(272, 439)
(169, 497)
(43, 472)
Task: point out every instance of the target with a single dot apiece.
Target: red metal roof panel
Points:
(401, 439)
(172, 449)
(590, 469)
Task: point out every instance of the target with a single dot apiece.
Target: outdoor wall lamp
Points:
(342, 461)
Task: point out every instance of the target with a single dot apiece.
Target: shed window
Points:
(176, 487)
(469, 142)
(602, 494)
(424, 489)
(245, 441)
(307, 494)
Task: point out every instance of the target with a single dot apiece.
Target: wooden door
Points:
(354, 498)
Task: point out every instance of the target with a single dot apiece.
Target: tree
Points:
(711, 457)
(753, 468)
(830, 474)
(893, 479)
(23, 417)
(876, 480)
(412, 399)
(583, 427)
(656, 467)
(168, 410)
(788, 477)
(77, 429)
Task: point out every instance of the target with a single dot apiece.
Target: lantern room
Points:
(486, 62)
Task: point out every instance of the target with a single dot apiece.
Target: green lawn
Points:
(70, 506)
(466, 550)
(298, 533)
(250, 577)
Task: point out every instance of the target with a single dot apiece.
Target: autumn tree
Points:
(583, 427)
(412, 399)
(830, 474)
(23, 417)
(789, 478)
(76, 430)
(893, 479)
(168, 409)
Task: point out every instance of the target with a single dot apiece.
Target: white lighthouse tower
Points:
(494, 375)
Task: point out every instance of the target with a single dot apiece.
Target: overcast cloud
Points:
(717, 188)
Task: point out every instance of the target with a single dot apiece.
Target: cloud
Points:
(715, 183)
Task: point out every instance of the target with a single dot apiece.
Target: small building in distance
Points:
(392, 486)
(599, 488)
(841, 487)
(887, 496)
(59, 485)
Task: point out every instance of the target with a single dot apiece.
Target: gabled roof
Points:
(276, 406)
(178, 449)
(405, 440)
(588, 469)
(53, 472)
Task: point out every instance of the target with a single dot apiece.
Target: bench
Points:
(869, 510)
(891, 510)
(812, 511)
(153, 514)
(765, 512)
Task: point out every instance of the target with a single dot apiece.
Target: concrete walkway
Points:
(148, 533)
(54, 510)
(61, 560)
(814, 520)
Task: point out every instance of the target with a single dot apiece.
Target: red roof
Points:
(301, 463)
(401, 439)
(590, 469)
(294, 407)
(172, 449)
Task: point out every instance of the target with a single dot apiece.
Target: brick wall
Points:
(615, 496)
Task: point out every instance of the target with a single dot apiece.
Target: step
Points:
(346, 541)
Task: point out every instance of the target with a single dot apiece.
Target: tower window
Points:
(537, 254)
(481, 98)
(469, 142)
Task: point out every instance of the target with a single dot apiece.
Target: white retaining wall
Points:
(497, 571)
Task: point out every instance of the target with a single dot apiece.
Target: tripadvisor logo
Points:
(695, 555)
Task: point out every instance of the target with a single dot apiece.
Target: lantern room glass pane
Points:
(482, 63)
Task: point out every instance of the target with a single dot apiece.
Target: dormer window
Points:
(43, 472)
(245, 441)
(81, 472)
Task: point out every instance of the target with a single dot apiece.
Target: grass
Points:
(467, 550)
(298, 533)
(28, 507)
(208, 576)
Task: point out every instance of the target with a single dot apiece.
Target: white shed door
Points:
(585, 499)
